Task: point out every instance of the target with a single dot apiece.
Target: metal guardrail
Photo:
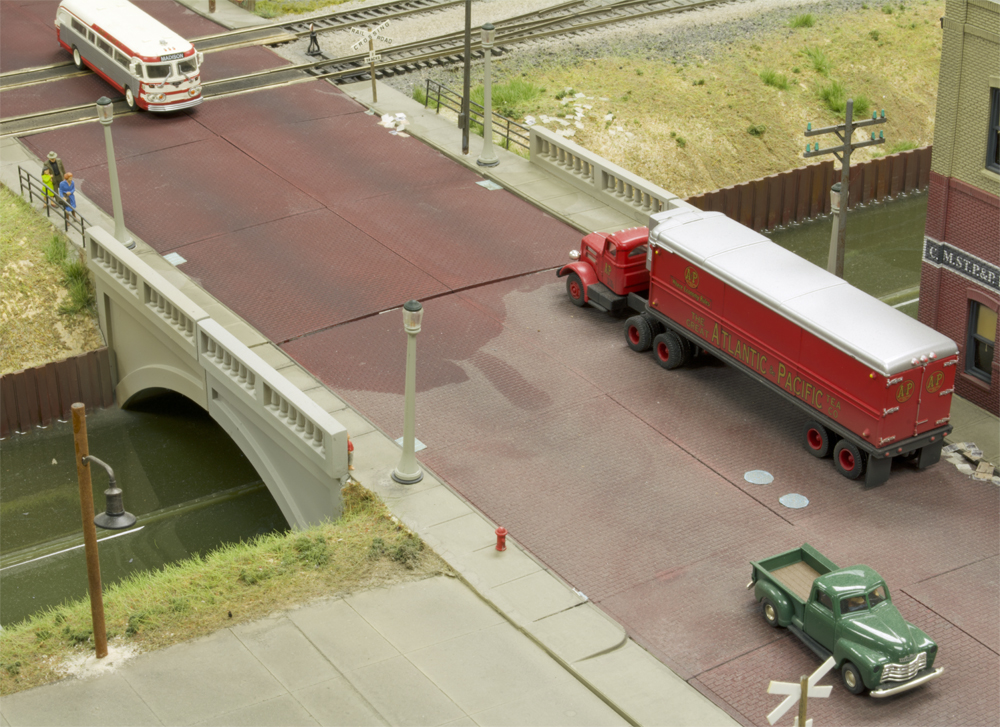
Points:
(507, 129)
(32, 187)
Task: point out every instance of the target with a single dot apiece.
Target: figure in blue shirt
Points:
(67, 190)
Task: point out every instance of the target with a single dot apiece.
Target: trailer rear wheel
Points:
(638, 334)
(574, 288)
(848, 459)
(670, 350)
(77, 59)
(852, 678)
(819, 439)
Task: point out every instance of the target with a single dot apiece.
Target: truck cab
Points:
(607, 268)
(846, 613)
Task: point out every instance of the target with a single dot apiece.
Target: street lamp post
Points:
(106, 114)
(488, 157)
(114, 518)
(408, 472)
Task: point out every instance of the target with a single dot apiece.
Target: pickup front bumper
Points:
(921, 678)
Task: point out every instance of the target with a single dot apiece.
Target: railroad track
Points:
(570, 18)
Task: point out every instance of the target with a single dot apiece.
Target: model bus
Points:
(154, 68)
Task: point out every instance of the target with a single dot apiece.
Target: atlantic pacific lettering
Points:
(757, 361)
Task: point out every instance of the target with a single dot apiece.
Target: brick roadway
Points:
(304, 216)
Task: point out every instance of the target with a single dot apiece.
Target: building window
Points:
(982, 341)
(993, 143)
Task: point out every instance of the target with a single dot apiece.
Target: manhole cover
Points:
(759, 477)
(794, 501)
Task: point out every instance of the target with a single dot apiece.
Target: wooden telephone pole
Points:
(843, 153)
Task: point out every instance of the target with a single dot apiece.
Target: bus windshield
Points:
(187, 65)
(158, 71)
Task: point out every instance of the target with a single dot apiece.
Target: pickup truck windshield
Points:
(852, 604)
(876, 596)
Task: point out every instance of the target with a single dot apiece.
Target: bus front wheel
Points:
(130, 99)
(77, 59)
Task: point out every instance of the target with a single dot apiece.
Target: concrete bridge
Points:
(159, 338)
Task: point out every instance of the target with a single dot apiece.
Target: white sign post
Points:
(802, 691)
(370, 36)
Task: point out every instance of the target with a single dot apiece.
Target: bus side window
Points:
(78, 26)
(120, 57)
(104, 46)
(90, 35)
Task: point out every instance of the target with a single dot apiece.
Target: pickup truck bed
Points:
(797, 577)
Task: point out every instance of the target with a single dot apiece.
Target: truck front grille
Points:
(904, 671)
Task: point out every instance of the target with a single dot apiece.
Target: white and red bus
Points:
(154, 67)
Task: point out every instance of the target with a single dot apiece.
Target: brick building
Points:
(960, 279)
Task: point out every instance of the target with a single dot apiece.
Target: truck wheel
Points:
(819, 440)
(130, 99)
(670, 350)
(848, 460)
(638, 334)
(574, 287)
(851, 677)
(770, 612)
(77, 60)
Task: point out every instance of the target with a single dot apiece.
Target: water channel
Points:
(190, 486)
(884, 248)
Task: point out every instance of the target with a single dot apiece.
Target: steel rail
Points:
(526, 28)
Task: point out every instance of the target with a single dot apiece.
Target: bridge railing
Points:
(618, 188)
(282, 407)
(175, 316)
(303, 423)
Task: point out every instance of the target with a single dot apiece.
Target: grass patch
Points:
(774, 79)
(756, 130)
(895, 148)
(818, 59)
(834, 95)
(276, 8)
(366, 547)
(806, 20)
(46, 309)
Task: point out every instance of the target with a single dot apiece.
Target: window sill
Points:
(990, 175)
(975, 381)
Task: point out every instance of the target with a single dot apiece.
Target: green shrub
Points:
(834, 96)
(756, 130)
(802, 21)
(699, 82)
(55, 251)
(874, 34)
(76, 278)
(774, 79)
(887, 9)
(862, 106)
(681, 141)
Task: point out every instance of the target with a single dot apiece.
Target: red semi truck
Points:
(874, 383)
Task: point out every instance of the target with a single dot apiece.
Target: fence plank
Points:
(49, 390)
(731, 206)
(789, 197)
(897, 174)
(775, 201)
(8, 407)
(924, 155)
(882, 188)
(802, 178)
(760, 199)
(746, 204)
(869, 183)
(69, 389)
(857, 178)
(818, 197)
(27, 410)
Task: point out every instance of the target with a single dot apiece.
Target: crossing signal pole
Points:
(844, 132)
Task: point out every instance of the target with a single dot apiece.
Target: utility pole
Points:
(843, 154)
(463, 116)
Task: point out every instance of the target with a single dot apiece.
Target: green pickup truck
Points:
(846, 613)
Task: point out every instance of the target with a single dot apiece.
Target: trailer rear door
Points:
(936, 388)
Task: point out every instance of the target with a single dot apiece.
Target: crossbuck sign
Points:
(371, 36)
(796, 692)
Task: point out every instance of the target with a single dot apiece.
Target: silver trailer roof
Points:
(867, 329)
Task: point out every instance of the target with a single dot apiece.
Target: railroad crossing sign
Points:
(371, 36)
(805, 689)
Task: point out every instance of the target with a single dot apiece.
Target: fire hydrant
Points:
(501, 538)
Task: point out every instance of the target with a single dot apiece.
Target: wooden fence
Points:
(34, 397)
(801, 194)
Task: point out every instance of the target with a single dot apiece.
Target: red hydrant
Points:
(501, 538)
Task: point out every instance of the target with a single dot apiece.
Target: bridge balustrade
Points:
(618, 188)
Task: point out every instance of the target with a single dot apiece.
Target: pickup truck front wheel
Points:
(770, 612)
(851, 677)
